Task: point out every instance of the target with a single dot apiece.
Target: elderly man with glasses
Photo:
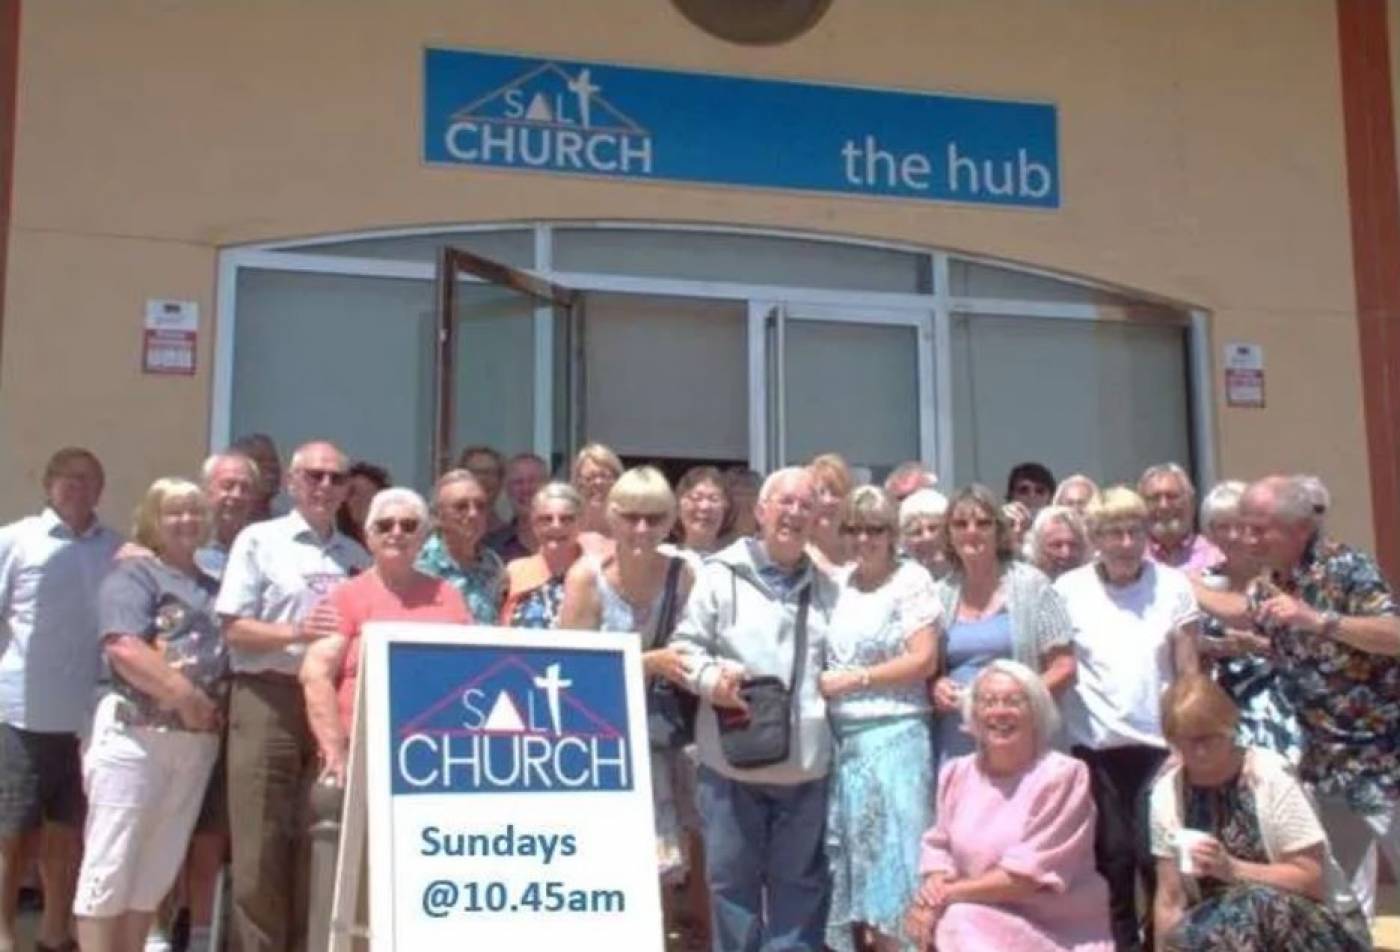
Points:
(1172, 538)
(273, 604)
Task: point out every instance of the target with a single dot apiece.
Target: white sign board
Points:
(509, 790)
(170, 337)
(1244, 375)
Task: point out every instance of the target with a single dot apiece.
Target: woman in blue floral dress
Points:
(881, 649)
(535, 583)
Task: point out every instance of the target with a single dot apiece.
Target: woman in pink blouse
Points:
(1010, 862)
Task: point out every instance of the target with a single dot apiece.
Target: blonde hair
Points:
(1195, 704)
(642, 488)
(870, 504)
(831, 469)
(598, 455)
(145, 527)
(1114, 504)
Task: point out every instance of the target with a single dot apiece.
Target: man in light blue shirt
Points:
(50, 568)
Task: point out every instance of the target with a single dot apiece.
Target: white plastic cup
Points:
(1185, 839)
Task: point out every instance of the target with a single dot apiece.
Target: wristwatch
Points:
(1331, 621)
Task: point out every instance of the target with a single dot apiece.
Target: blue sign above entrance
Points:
(584, 118)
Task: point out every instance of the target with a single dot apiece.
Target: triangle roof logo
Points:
(547, 96)
(521, 700)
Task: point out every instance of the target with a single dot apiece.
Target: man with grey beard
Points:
(1171, 520)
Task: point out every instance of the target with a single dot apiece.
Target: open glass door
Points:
(848, 379)
(506, 360)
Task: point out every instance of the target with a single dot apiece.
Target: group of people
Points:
(984, 722)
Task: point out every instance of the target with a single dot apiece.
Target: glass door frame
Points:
(768, 320)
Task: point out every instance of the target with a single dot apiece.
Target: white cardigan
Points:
(1287, 819)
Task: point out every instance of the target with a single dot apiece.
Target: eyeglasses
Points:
(987, 702)
(335, 477)
(649, 519)
(467, 505)
(864, 530)
(408, 525)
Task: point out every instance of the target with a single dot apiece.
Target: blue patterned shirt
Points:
(482, 584)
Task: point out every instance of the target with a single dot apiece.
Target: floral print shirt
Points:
(1348, 700)
(482, 584)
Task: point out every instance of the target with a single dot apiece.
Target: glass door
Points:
(850, 379)
(492, 322)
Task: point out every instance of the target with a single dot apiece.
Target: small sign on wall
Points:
(1244, 375)
(170, 337)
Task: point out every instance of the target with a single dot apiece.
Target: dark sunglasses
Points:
(864, 530)
(651, 519)
(335, 477)
(407, 526)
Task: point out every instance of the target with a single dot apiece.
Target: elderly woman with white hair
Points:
(156, 735)
(1057, 541)
(392, 589)
(921, 530)
(1010, 862)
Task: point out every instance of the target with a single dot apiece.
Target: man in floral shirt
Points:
(1336, 642)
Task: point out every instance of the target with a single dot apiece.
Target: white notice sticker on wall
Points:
(1244, 375)
(170, 337)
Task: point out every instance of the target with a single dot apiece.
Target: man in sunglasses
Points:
(273, 604)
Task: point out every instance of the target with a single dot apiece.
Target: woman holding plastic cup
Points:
(1238, 846)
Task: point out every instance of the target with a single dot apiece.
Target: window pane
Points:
(515, 247)
(973, 279)
(347, 359)
(667, 377)
(738, 258)
(495, 369)
(852, 389)
(1099, 397)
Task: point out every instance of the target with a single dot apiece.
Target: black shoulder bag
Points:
(763, 735)
(670, 707)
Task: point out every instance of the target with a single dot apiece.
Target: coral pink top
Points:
(366, 598)
(1040, 825)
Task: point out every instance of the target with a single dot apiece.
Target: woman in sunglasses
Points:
(881, 648)
(391, 590)
(635, 589)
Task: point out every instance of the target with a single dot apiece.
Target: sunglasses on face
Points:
(649, 519)
(408, 525)
(854, 531)
(467, 506)
(335, 477)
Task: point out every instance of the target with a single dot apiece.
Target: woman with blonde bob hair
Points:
(156, 735)
(1135, 628)
(1010, 862)
(596, 468)
(1238, 845)
(638, 589)
(881, 647)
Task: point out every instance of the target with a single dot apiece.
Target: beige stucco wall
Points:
(1201, 143)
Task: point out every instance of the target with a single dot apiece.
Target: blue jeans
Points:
(763, 854)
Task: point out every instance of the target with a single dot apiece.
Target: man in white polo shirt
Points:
(272, 602)
(50, 568)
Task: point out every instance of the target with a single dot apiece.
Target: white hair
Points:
(299, 457)
(1222, 501)
(776, 477)
(922, 504)
(398, 496)
(211, 463)
(1071, 519)
(1317, 489)
(1075, 479)
(1045, 717)
(1166, 469)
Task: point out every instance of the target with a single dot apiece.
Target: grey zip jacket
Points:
(733, 616)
